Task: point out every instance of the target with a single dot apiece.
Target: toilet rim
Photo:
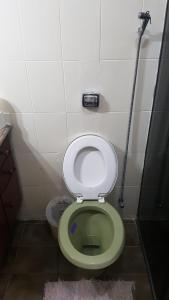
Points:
(99, 261)
(105, 186)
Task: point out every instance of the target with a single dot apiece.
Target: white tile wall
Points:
(103, 124)
(51, 164)
(139, 131)
(153, 34)
(14, 86)
(78, 123)
(146, 81)
(30, 171)
(10, 37)
(131, 196)
(80, 29)
(102, 78)
(51, 52)
(119, 26)
(46, 86)
(23, 133)
(40, 29)
(51, 132)
(34, 203)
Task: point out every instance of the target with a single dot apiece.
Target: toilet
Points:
(91, 232)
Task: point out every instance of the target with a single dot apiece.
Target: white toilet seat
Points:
(90, 167)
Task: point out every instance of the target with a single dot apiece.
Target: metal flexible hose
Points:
(121, 197)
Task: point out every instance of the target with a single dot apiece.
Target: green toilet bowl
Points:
(91, 234)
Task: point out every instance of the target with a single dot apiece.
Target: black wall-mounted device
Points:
(90, 100)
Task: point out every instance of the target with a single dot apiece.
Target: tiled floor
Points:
(34, 258)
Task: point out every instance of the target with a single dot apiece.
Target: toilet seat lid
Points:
(90, 167)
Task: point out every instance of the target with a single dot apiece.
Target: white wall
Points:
(51, 52)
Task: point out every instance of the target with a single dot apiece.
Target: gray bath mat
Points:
(88, 290)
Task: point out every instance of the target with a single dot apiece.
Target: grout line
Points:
(87, 61)
(63, 71)
(7, 285)
(61, 48)
(80, 61)
(38, 245)
(21, 234)
(27, 76)
(14, 258)
(143, 5)
(29, 90)
(132, 246)
(20, 28)
(23, 46)
(100, 25)
(84, 113)
(38, 186)
(41, 152)
(33, 113)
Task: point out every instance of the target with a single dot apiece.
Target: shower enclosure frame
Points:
(159, 202)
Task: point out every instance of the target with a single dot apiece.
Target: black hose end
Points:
(121, 203)
(146, 18)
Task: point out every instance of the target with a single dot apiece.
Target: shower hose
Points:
(146, 18)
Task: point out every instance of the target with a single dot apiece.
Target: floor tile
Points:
(142, 288)
(27, 287)
(4, 279)
(18, 233)
(36, 259)
(130, 262)
(37, 234)
(132, 237)
(9, 261)
(67, 271)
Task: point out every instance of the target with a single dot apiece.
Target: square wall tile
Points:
(131, 201)
(51, 132)
(146, 81)
(33, 203)
(135, 163)
(79, 124)
(40, 29)
(52, 165)
(119, 28)
(127, 267)
(153, 35)
(116, 84)
(80, 78)
(10, 37)
(139, 131)
(34, 260)
(24, 286)
(111, 79)
(135, 166)
(58, 192)
(80, 28)
(14, 87)
(111, 126)
(29, 168)
(46, 86)
(4, 281)
(131, 198)
(23, 133)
